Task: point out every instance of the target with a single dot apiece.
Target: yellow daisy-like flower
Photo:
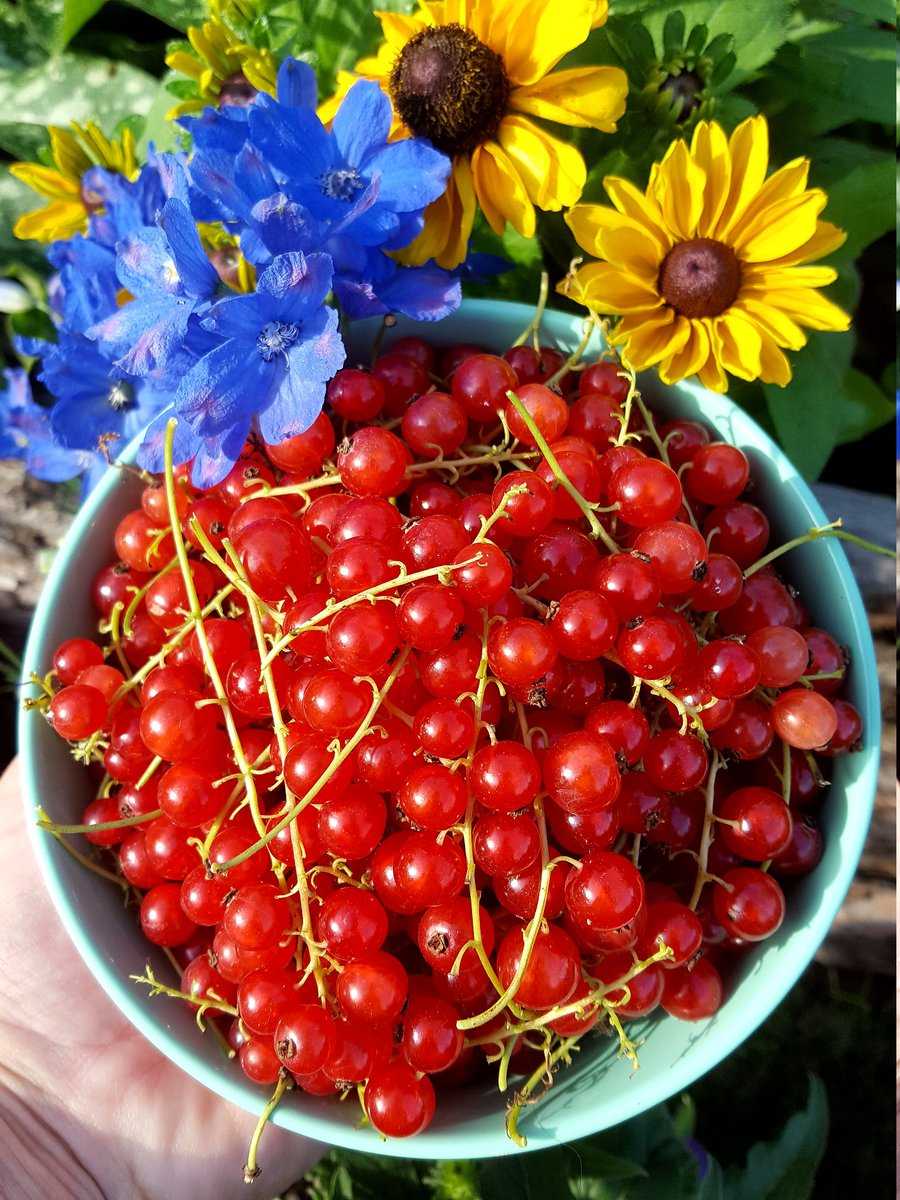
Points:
(221, 64)
(470, 75)
(705, 268)
(69, 203)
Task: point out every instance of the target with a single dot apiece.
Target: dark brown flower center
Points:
(700, 278)
(450, 88)
(237, 90)
(684, 90)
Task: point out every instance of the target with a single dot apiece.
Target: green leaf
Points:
(874, 10)
(758, 28)
(832, 79)
(75, 13)
(807, 414)
(859, 180)
(525, 1177)
(177, 13)
(865, 407)
(23, 141)
(162, 133)
(74, 87)
(712, 1186)
(33, 323)
(785, 1169)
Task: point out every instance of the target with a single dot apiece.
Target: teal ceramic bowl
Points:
(597, 1091)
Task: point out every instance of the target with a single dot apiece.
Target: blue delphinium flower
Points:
(25, 433)
(279, 347)
(171, 279)
(325, 170)
(95, 402)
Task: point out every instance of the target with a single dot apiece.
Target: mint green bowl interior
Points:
(597, 1091)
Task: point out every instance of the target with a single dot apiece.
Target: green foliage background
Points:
(823, 70)
(825, 73)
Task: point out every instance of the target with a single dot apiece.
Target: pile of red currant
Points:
(473, 721)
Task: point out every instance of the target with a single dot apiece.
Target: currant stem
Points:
(522, 1096)
(813, 535)
(251, 1167)
(706, 837)
(196, 619)
(306, 930)
(121, 823)
(389, 585)
(596, 528)
(590, 326)
(163, 989)
(345, 752)
(83, 858)
(532, 329)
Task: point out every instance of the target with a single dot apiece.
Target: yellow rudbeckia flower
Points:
(706, 267)
(470, 75)
(69, 204)
(220, 62)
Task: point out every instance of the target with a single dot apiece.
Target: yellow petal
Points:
(68, 155)
(709, 149)
(184, 63)
(398, 28)
(774, 365)
(601, 12)
(826, 238)
(812, 309)
(689, 360)
(500, 191)
(639, 207)
(781, 227)
(749, 149)
(606, 289)
(768, 279)
(737, 343)
(588, 97)
(678, 187)
(539, 34)
(379, 65)
(45, 180)
(58, 219)
(553, 171)
(606, 233)
(656, 339)
(712, 376)
(772, 321)
(789, 181)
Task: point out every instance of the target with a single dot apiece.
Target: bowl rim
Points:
(315, 1123)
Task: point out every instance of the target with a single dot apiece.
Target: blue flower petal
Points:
(241, 317)
(145, 264)
(292, 139)
(227, 385)
(197, 275)
(299, 282)
(412, 174)
(217, 455)
(363, 122)
(296, 84)
(145, 332)
(285, 226)
(422, 293)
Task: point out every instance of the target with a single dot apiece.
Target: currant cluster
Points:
(488, 727)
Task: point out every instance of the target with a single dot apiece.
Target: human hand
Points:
(88, 1107)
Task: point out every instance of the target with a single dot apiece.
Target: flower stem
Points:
(101, 826)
